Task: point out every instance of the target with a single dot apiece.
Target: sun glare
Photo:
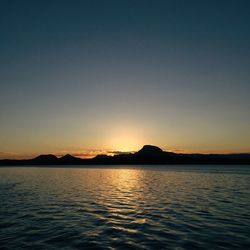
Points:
(125, 139)
(125, 143)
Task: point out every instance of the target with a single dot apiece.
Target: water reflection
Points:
(124, 208)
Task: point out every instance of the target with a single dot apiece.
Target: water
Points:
(156, 207)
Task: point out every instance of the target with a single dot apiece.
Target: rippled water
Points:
(171, 207)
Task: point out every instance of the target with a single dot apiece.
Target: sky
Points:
(85, 77)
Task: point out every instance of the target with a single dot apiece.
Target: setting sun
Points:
(125, 137)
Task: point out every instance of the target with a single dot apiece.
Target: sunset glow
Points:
(85, 81)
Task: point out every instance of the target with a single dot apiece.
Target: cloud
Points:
(14, 155)
(91, 153)
(120, 152)
(83, 153)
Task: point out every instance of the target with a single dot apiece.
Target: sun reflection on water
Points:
(133, 208)
(122, 198)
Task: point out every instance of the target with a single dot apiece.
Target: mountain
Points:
(149, 154)
(150, 150)
(69, 159)
(45, 159)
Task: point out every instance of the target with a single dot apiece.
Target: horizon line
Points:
(92, 153)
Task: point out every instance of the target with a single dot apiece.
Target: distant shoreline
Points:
(148, 155)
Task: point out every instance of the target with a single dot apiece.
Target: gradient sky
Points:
(88, 76)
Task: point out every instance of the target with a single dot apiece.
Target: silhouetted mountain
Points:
(45, 159)
(69, 159)
(147, 155)
(101, 157)
(149, 150)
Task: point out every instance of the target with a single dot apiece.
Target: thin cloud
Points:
(83, 153)
(13, 155)
(121, 152)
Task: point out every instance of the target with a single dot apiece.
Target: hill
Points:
(149, 154)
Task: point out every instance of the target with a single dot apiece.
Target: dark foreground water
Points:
(166, 207)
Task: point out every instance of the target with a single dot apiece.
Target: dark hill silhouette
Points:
(69, 159)
(149, 150)
(102, 157)
(149, 154)
(45, 159)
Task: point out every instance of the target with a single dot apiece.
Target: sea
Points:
(125, 207)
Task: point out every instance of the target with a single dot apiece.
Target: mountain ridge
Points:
(148, 154)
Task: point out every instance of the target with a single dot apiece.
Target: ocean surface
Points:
(125, 207)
